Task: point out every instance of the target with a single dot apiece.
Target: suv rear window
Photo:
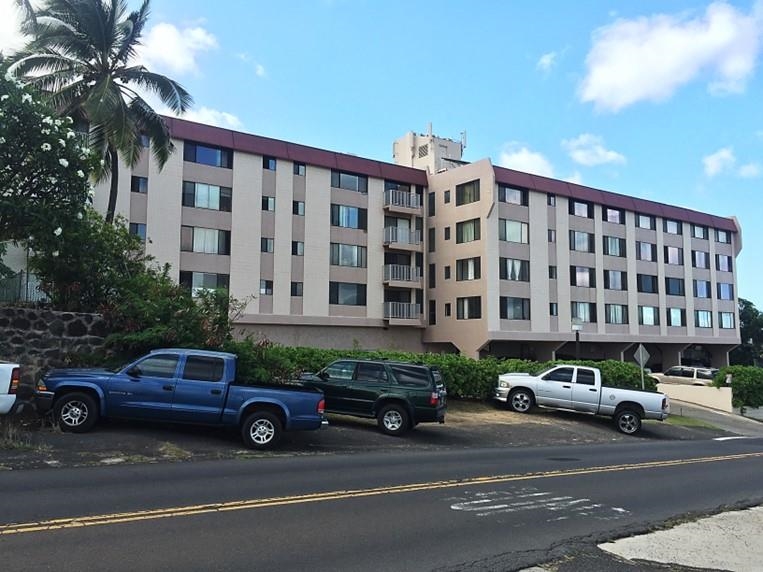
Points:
(411, 375)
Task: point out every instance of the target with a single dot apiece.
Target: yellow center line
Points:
(174, 512)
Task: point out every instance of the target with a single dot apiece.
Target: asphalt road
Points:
(474, 509)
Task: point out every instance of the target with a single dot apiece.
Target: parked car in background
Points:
(399, 395)
(10, 376)
(686, 375)
(180, 386)
(579, 388)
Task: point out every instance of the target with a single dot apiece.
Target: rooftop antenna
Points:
(463, 139)
(429, 130)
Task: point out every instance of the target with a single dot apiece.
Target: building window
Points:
(447, 233)
(204, 196)
(615, 216)
(297, 248)
(551, 200)
(446, 273)
(347, 294)
(266, 244)
(431, 204)
(551, 235)
(207, 155)
(676, 317)
(266, 287)
(646, 283)
(648, 316)
(431, 239)
(432, 313)
(468, 192)
(703, 318)
(698, 231)
(723, 263)
(447, 309)
(469, 308)
(645, 221)
(582, 276)
(701, 289)
(269, 204)
(615, 280)
(298, 208)
(553, 309)
(446, 197)
(348, 255)
(725, 291)
(726, 320)
(581, 241)
(700, 259)
(468, 269)
(674, 287)
(139, 230)
(145, 141)
(300, 169)
(139, 185)
(349, 181)
(204, 240)
(468, 231)
(349, 217)
(513, 231)
(296, 289)
(269, 163)
(674, 255)
(723, 236)
(615, 314)
(614, 246)
(514, 308)
(581, 209)
(672, 226)
(197, 282)
(514, 269)
(584, 311)
(432, 276)
(512, 196)
(646, 251)
(552, 273)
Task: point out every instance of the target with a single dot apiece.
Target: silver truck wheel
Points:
(393, 420)
(628, 422)
(521, 400)
(261, 430)
(76, 412)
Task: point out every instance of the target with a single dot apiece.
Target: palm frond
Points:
(169, 91)
(152, 124)
(131, 33)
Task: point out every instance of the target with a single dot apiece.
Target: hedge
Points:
(746, 384)
(264, 362)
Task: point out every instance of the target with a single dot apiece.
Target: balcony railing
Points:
(401, 199)
(401, 235)
(401, 273)
(402, 311)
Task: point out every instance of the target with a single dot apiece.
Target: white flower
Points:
(2, 140)
(63, 162)
(70, 134)
(45, 147)
(47, 120)
(4, 97)
(80, 216)
(45, 131)
(52, 180)
(26, 98)
(102, 162)
(69, 120)
(80, 174)
(62, 142)
(58, 231)
(57, 122)
(54, 253)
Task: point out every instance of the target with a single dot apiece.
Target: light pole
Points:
(577, 325)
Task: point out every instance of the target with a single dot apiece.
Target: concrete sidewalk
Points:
(727, 421)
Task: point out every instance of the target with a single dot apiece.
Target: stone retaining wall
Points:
(39, 339)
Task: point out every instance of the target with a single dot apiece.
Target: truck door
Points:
(143, 389)
(200, 390)
(585, 394)
(555, 388)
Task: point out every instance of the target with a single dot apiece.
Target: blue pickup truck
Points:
(180, 386)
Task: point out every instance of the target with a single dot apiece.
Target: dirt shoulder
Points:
(469, 424)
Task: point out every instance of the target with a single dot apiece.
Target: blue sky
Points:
(661, 100)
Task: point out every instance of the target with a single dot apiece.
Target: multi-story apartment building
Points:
(432, 252)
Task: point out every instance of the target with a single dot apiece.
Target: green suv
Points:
(399, 395)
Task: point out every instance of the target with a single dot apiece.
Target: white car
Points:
(686, 375)
(10, 376)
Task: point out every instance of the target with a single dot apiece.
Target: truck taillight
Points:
(434, 398)
(15, 380)
(664, 403)
(321, 406)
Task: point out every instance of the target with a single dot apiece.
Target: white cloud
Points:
(588, 149)
(546, 62)
(718, 162)
(214, 117)
(575, 177)
(259, 70)
(516, 156)
(749, 171)
(167, 48)
(649, 58)
(10, 36)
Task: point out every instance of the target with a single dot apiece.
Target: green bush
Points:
(746, 384)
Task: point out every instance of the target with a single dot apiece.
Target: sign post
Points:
(641, 356)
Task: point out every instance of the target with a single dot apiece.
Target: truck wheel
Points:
(521, 400)
(394, 420)
(628, 421)
(76, 412)
(261, 430)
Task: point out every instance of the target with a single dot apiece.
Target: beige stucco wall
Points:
(713, 397)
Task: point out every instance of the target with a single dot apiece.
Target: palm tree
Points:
(82, 56)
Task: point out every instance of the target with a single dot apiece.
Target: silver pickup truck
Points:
(9, 384)
(578, 388)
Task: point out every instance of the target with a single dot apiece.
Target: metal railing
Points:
(401, 273)
(394, 234)
(21, 287)
(401, 199)
(402, 311)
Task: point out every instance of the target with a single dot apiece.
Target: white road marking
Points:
(736, 438)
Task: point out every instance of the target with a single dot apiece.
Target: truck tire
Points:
(261, 430)
(393, 420)
(521, 400)
(76, 412)
(628, 421)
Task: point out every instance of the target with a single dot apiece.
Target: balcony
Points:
(402, 276)
(403, 314)
(402, 238)
(401, 201)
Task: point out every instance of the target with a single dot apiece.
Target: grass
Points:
(689, 422)
(13, 437)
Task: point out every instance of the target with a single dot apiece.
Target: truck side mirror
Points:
(134, 371)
